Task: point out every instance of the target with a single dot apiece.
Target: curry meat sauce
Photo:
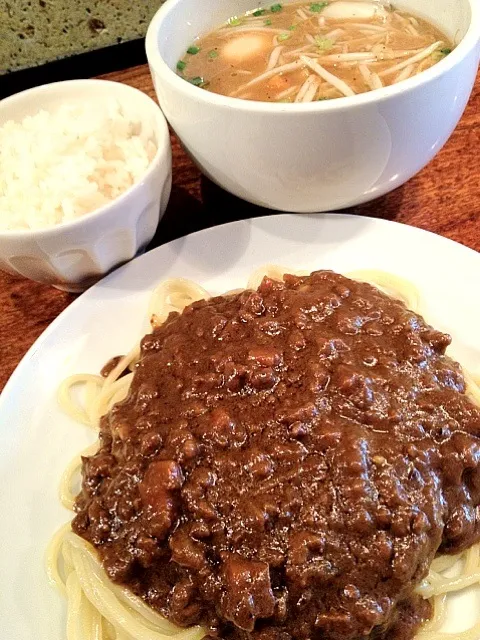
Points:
(287, 464)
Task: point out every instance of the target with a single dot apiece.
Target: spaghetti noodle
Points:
(101, 610)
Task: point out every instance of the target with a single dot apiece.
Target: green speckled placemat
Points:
(33, 32)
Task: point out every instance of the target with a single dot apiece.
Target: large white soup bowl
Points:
(323, 155)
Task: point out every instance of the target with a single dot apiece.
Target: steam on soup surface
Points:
(303, 52)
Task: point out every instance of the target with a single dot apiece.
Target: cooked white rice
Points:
(58, 166)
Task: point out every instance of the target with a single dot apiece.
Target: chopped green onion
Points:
(197, 81)
(275, 8)
(283, 36)
(181, 65)
(234, 21)
(258, 12)
(267, 23)
(292, 27)
(320, 99)
(212, 54)
(325, 44)
(439, 54)
(316, 7)
(193, 50)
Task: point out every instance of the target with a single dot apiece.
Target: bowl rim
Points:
(470, 40)
(163, 148)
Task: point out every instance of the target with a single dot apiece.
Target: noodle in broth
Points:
(302, 52)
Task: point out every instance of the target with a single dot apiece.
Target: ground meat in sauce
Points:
(287, 464)
(110, 366)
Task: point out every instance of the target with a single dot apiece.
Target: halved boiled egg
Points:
(345, 10)
(244, 47)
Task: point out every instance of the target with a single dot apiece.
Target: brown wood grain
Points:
(443, 198)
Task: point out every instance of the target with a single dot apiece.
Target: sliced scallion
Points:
(197, 81)
(324, 44)
(181, 65)
(283, 36)
(316, 7)
(234, 21)
(213, 54)
(193, 50)
(275, 8)
(258, 12)
(267, 23)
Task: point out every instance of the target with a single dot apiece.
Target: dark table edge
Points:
(83, 65)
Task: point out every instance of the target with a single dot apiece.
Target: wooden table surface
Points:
(443, 198)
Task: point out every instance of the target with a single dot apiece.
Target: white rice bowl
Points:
(60, 165)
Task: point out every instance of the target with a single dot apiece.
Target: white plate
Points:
(37, 441)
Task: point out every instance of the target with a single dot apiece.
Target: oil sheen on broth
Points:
(302, 52)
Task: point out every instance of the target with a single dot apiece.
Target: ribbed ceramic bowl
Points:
(74, 255)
